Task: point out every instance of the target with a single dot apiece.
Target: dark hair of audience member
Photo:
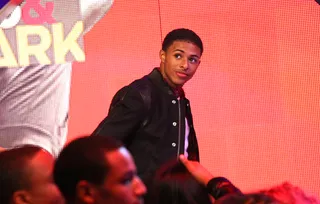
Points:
(252, 198)
(288, 193)
(88, 154)
(182, 34)
(14, 170)
(173, 184)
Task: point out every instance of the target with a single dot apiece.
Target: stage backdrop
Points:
(255, 96)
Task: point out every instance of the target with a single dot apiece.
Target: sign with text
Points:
(42, 32)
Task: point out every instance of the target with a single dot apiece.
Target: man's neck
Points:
(177, 90)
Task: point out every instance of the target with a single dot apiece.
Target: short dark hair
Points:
(174, 184)
(83, 159)
(289, 193)
(250, 198)
(182, 34)
(14, 170)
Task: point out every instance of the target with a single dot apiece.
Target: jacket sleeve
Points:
(220, 186)
(125, 115)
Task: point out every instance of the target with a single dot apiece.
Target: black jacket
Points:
(150, 121)
(220, 186)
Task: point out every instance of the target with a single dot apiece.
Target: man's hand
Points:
(201, 174)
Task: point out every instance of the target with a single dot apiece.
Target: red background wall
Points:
(255, 97)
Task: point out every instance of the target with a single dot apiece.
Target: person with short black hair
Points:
(225, 192)
(188, 182)
(26, 177)
(217, 187)
(174, 184)
(289, 193)
(152, 116)
(98, 170)
(250, 198)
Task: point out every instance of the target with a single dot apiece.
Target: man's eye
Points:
(178, 56)
(127, 181)
(193, 60)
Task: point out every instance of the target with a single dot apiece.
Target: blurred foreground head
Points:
(98, 170)
(26, 177)
(288, 193)
(173, 184)
(285, 193)
(254, 198)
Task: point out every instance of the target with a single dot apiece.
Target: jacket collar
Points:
(159, 81)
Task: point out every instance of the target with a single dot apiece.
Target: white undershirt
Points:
(186, 141)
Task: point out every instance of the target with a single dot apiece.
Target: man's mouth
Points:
(181, 75)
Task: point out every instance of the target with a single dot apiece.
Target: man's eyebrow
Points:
(178, 50)
(184, 52)
(195, 56)
(130, 173)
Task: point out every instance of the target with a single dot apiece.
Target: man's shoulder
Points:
(142, 83)
(138, 86)
(144, 86)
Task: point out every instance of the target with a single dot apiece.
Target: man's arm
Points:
(7, 7)
(93, 10)
(216, 186)
(125, 115)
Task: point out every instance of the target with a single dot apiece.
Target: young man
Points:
(26, 177)
(98, 170)
(34, 100)
(152, 116)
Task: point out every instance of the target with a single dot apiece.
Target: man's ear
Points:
(21, 197)
(85, 192)
(162, 55)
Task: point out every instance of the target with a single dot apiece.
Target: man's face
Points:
(122, 185)
(43, 190)
(179, 62)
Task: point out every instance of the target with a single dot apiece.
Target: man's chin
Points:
(179, 83)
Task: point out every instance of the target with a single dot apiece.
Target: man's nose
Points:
(184, 63)
(139, 187)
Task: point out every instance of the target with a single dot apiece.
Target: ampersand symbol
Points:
(44, 13)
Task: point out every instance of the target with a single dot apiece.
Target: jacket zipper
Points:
(179, 133)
